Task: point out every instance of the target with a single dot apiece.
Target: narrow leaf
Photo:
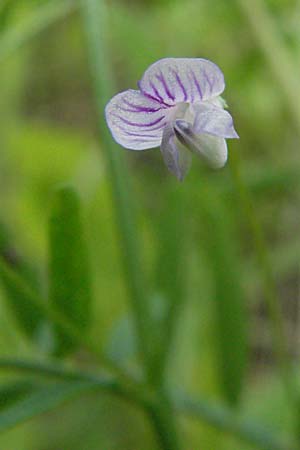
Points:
(27, 316)
(31, 26)
(229, 309)
(69, 273)
(170, 274)
(13, 391)
(39, 401)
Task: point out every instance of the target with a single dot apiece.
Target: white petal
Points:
(135, 121)
(173, 80)
(213, 120)
(176, 157)
(212, 149)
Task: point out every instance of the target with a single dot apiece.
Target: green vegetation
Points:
(137, 312)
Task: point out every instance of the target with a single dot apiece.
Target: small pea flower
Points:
(177, 107)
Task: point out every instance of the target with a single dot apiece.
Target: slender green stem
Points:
(287, 75)
(35, 23)
(269, 285)
(57, 318)
(156, 406)
(131, 391)
(285, 71)
(95, 20)
(171, 275)
(48, 370)
(227, 420)
(218, 416)
(275, 52)
(162, 418)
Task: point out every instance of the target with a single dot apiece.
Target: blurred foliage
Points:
(69, 274)
(48, 138)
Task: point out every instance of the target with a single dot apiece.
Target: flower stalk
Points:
(95, 15)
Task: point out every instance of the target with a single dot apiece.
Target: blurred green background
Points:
(48, 138)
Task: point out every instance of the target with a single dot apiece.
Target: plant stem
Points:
(269, 285)
(94, 12)
(115, 386)
(227, 420)
(7, 273)
(95, 18)
(285, 71)
(157, 406)
(95, 15)
(280, 61)
(218, 416)
(170, 275)
(163, 423)
(39, 20)
(46, 369)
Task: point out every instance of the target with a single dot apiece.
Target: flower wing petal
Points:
(213, 120)
(135, 121)
(176, 157)
(212, 149)
(173, 80)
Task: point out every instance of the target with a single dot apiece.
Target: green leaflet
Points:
(27, 316)
(39, 401)
(69, 273)
(14, 391)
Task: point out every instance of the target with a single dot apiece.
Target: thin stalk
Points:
(285, 71)
(95, 20)
(132, 392)
(48, 370)
(57, 318)
(42, 17)
(171, 275)
(218, 416)
(228, 421)
(268, 281)
(271, 44)
(157, 407)
(162, 415)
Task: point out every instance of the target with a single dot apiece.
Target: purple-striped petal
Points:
(213, 120)
(176, 157)
(173, 80)
(135, 121)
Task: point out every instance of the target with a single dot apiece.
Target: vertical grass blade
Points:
(94, 13)
(28, 318)
(276, 53)
(97, 30)
(42, 17)
(69, 272)
(170, 274)
(229, 309)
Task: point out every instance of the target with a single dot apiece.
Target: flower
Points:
(177, 107)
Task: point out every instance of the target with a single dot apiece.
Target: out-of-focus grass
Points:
(47, 137)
